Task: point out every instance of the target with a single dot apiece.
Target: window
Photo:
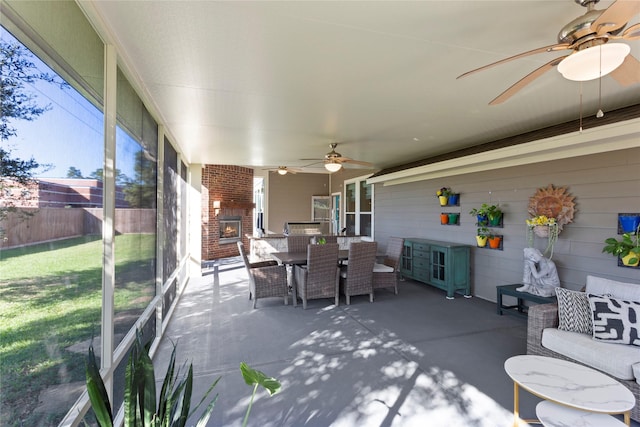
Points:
(359, 207)
(51, 256)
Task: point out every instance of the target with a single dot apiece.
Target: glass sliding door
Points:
(359, 207)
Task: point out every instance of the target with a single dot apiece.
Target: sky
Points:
(69, 134)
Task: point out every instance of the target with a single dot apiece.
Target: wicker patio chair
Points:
(320, 277)
(356, 278)
(298, 243)
(386, 274)
(266, 278)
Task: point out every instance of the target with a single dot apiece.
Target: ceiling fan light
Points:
(586, 64)
(282, 171)
(333, 166)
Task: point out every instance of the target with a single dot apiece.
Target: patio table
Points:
(299, 258)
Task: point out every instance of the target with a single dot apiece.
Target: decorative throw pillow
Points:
(615, 320)
(574, 313)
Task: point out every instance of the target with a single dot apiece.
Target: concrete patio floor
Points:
(415, 359)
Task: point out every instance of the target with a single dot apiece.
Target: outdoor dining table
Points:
(299, 258)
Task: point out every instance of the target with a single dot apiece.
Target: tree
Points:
(16, 103)
(74, 172)
(141, 191)
(121, 178)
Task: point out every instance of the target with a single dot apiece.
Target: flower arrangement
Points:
(540, 220)
(545, 227)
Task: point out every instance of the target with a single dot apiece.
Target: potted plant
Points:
(443, 195)
(629, 223)
(627, 248)
(482, 235)
(173, 406)
(487, 214)
(494, 241)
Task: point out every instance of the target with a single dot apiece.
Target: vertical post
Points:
(160, 232)
(108, 211)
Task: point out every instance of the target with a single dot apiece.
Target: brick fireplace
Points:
(223, 226)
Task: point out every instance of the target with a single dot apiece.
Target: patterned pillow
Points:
(615, 320)
(574, 313)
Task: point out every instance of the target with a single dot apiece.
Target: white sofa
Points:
(620, 361)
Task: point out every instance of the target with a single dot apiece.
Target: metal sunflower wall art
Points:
(554, 203)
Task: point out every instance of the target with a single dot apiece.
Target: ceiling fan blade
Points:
(615, 16)
(318, 161)
(632, 33)
(551, 48)
(355, 162)
(526, 80)
(628, 73)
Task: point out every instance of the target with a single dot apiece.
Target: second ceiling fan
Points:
(588, 36)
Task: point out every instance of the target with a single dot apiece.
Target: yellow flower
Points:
(540, 220)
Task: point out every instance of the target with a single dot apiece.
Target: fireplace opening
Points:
(230, 229)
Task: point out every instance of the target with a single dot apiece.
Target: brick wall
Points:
(233, 187)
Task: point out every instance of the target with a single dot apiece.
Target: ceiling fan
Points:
(333, 160)
(283, 170)
(588, 36)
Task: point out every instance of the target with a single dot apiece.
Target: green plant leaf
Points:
(167, 385)
(186, 398)
(147, 383)
(130, 388)
(253, 376)
(97, 391)
(204, 418)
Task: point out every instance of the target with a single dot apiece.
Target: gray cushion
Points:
(382, 268)
(615, 320)
(616, 360)
(574, 313)
(622, 290)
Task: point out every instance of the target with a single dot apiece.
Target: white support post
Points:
(160, 234)
(108, 212)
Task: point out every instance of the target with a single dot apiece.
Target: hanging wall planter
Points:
(444, 218)
(481, 241)
(628, 222)
(495, 220)
(494, 242)
(446, 197)
(627, 249)
(453, 218)
(631, 260)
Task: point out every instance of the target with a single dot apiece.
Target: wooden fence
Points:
(47, 224)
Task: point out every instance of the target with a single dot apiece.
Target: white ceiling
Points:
(270, 83)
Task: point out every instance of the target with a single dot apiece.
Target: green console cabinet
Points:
(441, 264)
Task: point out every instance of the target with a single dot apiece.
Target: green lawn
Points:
(50, 299)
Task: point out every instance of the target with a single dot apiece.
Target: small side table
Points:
(520, 309)
(553, 415)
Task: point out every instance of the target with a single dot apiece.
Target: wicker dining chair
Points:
(356, 278)
(387, 273)
(266, 278)
(298, 243)
(320, 277)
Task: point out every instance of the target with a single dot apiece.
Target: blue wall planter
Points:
(628, 223)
